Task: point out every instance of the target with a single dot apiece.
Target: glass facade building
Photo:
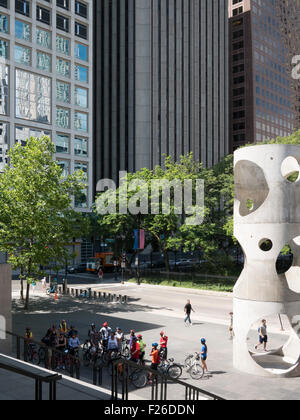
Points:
(46, 75)
(261, 100)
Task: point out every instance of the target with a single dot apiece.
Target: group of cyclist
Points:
(63, 337)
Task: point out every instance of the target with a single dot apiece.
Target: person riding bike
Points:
(61, 346)
(112, 345)
(105, 333)
(120, 338)
(28, 335)
(163, 346)
(155, 359)
(74, 344)
(94, 336)
(63, 327)
(135, 350)
(143, 346)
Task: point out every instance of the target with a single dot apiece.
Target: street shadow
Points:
(45, 312)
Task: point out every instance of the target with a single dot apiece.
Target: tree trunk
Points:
(167, 260)
(22, 285)
(27, 297)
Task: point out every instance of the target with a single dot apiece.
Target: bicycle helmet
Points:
(139, 336)
(105, 324)
(203, 341)
(155, 345)
(162, 333)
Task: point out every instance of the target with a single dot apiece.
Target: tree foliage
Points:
(36, 215)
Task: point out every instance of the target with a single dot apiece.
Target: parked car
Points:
(81, 268)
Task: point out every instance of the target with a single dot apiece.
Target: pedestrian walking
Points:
(231, 331)
(100, 274)
(188, 309)
(44, 283)
(263, 335)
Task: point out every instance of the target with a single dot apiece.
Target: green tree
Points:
(36, 215)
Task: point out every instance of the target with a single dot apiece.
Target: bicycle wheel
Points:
(35, 360)
(42, 355)
(197, 371)
(86, 360)
(139, 379)
(126, 352)
(175, 371)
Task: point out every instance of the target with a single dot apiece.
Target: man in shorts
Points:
(263, 335)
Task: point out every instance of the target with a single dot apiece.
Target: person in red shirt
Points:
(135, 350)
(164, 346)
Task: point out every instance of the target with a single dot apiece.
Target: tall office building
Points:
(261, 103)
(46, 68)
(161, 82)
(288, 12)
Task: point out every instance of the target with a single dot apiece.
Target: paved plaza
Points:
(210, 321)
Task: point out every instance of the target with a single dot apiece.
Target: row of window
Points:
(23, 7)
(43, 39)
(33, 99)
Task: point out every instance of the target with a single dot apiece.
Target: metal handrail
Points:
(191, 392)
(39, 379)
(74, 360)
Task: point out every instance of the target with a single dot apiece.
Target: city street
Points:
(152, 309)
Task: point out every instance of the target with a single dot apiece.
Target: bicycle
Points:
(91, 355)
(170, 368)
(33, 355)
(126, 349)
(137, 376)
(193, 366)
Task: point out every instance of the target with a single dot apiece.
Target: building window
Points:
(3, 24)
(64, 4)
(81, 30)
(63, 67)
(80, 122)
(62, 118)
(62, 143)
(62, 92)
(4, 130)
(43, 15)
(81, 97)
(43, 38)
(81, 73)
(3, 49)
(23, 55)
(43, 61)
(33, 97)
(24, 133)
(22, 30)
(81, 199)
(62, 23)
(4, 3)
(82, 166)
(22, 7)
(80, 147)
(4, 87)
(81, 52)
(81, 9)
(62, 45)
(65, 167)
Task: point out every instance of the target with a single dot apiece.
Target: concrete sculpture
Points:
(267, 217)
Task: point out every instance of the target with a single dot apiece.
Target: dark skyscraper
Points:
(161, 82)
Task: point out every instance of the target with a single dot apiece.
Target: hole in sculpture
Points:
(285, 260)
(282, 348)
(290, 169)
(250, 204)
(251, 187)
(266, 245)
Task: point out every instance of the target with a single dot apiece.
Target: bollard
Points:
(104, 296)
(120, 299)
(115, 299)
(77, 292)
(95, 295)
